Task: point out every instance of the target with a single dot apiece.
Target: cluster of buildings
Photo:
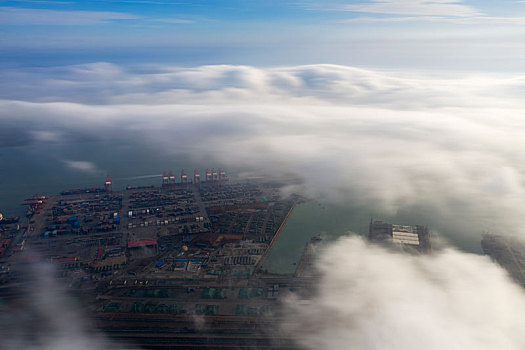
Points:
(173, 252)
(186, 250)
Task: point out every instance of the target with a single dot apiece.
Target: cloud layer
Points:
(43, 315)
(369, 298)
(449, 150)
(82, 165)
(28, 16)
(415, 7)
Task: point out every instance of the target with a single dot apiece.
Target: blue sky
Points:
(421, 34)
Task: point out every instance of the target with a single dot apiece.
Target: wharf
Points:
(148, 262)
(305, 265)
(275, 237)
(509, 252)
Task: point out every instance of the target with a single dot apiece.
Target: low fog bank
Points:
(372, 298)
(448, 150)
(40, 314)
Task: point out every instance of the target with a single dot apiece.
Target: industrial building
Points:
(147, 261)
(413, 237)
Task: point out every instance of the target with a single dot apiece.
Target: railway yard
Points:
(175, 266)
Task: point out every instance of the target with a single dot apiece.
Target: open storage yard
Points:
(148, 262)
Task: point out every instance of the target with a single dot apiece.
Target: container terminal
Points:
(169, 266)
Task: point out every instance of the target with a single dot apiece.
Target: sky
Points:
(417, 34)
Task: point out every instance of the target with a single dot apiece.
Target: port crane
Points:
(183, 178)
(35, 203)
(108, 185)
(196, 177)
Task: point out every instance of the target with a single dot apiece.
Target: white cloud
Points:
(175, 20)
(447, 8)
(81, 165)
(457, 20)
(50, 319)
(425, 11)
(369, 298)
(28, 16)
(448, 150)
(46, 2)
(45, 136)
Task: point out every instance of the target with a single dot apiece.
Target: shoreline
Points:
(274, 239)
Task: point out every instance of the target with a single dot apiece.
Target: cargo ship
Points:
(82, 190)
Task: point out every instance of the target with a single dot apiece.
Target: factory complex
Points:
(174, 265)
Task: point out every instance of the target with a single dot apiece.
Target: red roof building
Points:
(142, 242)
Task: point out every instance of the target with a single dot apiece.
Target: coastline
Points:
(261, 261)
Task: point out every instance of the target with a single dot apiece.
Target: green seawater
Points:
(332, 221)
(43, 169)
(31, 169)
(310, 219)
